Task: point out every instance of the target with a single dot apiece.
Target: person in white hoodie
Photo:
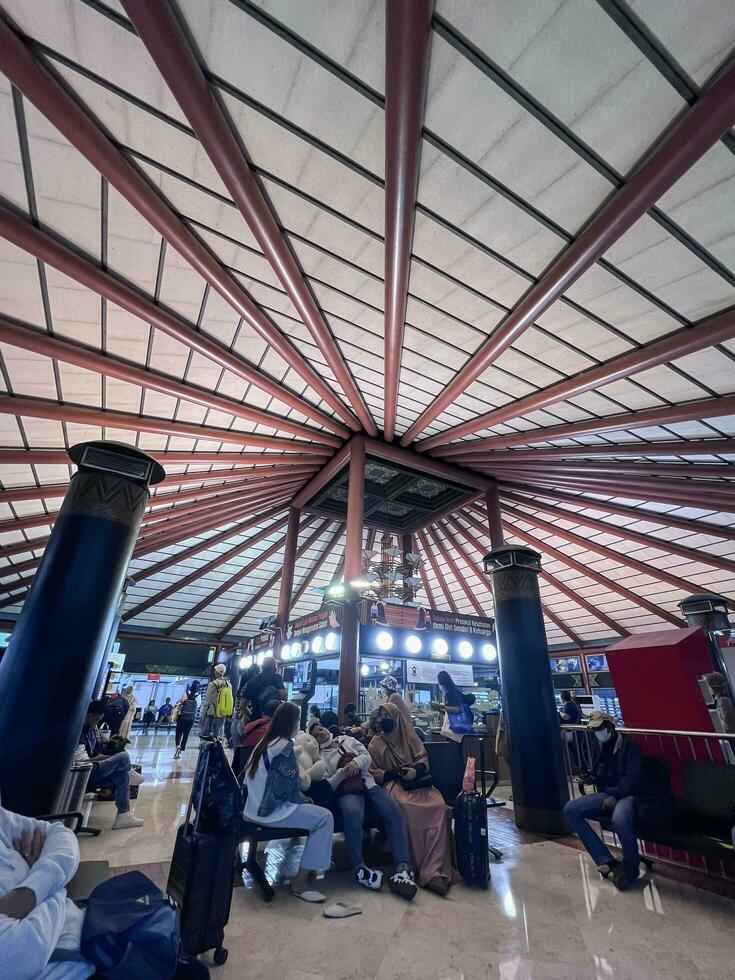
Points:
(351, 806)
(37, 861)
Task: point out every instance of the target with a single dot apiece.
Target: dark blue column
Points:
(537, 764)
(48, 673)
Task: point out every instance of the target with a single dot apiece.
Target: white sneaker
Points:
(369, 878)
(136, 778)
(125, 821)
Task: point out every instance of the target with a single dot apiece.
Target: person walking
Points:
(218, 703)
(184, 722)
(127, 722)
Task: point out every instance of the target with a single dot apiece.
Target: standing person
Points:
(399, 759)
(456, 707)
(274, 798)
(352, 807)
(164, 713)
(149, 716)
(127, 722)
(570, 714)
(184, 722)
(723, 701)
(616, 774)
(217, 705)
(264, 687)
(109, 771)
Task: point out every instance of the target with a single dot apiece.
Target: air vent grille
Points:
(133, 467)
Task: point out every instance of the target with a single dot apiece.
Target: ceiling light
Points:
(246, 662)
(305, 645)
(465, 649)
(489, 652)
(285, 652)
(359, 583)
(439, 647)
(317, 644)
(384, 666)
(330, 641)
(364, 670)
(384, 640)
(413, 643)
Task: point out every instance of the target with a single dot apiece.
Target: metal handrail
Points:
(717, 736)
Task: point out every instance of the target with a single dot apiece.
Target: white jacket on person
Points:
(332, 752)
(27, 944)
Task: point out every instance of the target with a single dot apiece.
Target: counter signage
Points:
(425, 672)
(325, 618)
(457, 623)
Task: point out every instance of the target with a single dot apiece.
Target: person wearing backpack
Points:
(218, 703)
(184, 721)
(264, 687)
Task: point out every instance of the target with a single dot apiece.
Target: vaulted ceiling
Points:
(500, 232)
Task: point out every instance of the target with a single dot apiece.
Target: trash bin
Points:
(71, 797)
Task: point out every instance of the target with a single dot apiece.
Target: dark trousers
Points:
(183, 727)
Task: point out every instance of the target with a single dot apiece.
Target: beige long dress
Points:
(428, 818)
(127, 722)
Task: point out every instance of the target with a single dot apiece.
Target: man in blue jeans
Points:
(112, 772)
(616, 773)
(351, 806)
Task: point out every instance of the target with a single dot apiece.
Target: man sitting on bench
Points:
(616, 774)
(112, 772)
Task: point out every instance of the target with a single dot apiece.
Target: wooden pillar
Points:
(348, 675)
(494, 518)
(287, 574)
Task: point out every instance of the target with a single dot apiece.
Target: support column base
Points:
(551, 823)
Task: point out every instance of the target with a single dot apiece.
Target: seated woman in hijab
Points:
(399, 759)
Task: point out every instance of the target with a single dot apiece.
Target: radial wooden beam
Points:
(674, 447)
(585, 569)
(454, 567)
(437, 574)
(41, 409)
(212, 482)
(714, 330)
(264, 589)
(684, 494)
(696, 472)
(628, 561)
(168, 45)
(683, 144)
(648, 541)
(407, 42)
(66, 112)
(221, 559)
(705, 408)
(233, 580)
(49, 249)
(553, 582)
(70, 352)
(316, 567)
(625, 510)
(427, 588)
(245, 460)
(560, 624)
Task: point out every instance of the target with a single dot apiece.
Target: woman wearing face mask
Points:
(335, 753)
(400, 760)
(616, 775)
(274, 798)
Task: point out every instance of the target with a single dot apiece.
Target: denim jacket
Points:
(282, 782)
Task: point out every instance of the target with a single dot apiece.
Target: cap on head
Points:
(220, 669)
(389, 683)
(598, 718)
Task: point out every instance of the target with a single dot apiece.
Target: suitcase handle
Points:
(195, 828)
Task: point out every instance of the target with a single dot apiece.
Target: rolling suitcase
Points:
(202, 868)
(470, 834)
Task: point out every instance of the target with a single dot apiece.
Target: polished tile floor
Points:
(546, 916)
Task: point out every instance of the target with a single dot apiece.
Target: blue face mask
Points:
(604, 735)
(387, 724)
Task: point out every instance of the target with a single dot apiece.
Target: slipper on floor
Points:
(310, 895)
(340, 910)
